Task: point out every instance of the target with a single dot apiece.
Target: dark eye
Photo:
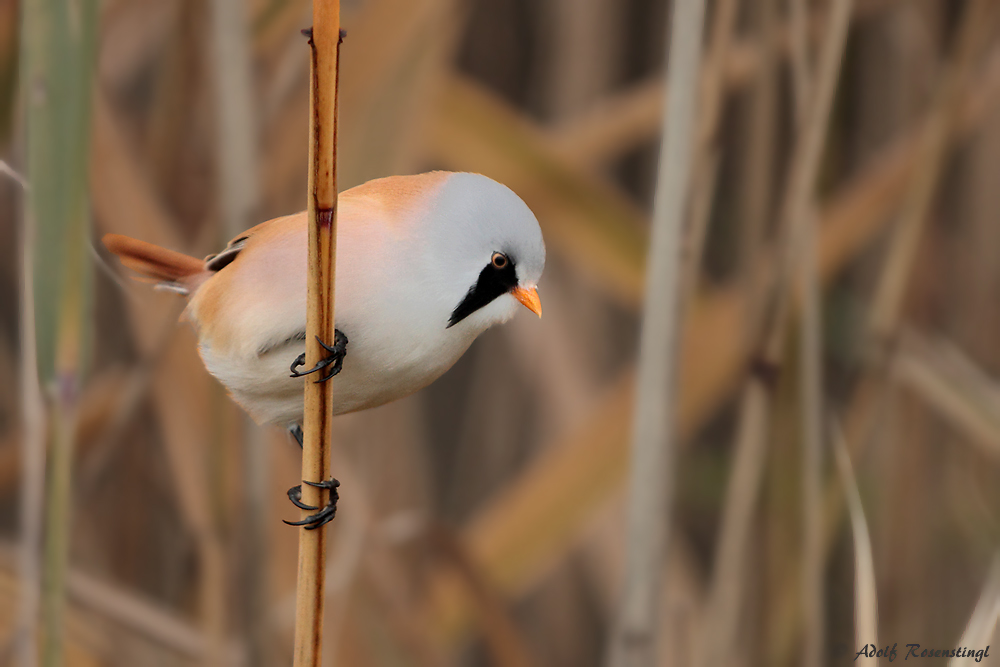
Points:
(499, 260)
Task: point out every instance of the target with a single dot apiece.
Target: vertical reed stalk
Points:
(865, 591)
(58, 40)
(705, 164)
(633, 640)
(32, 461)
(811, 381)
(325, 56)
(810, 369)
(814, 102)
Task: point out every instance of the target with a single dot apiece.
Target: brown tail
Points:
(174, 269)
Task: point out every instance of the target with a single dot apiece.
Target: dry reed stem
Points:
(705, 163)
(324, 45)
(725, 595)
(758, 161)
(810, 366)
(633, 640)
(33, 445)
(811, 383)
(798, 50)
(804, 168)
(865, 591)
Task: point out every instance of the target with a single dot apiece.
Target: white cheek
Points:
(495, 312)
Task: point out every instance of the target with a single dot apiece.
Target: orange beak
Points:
(529, 298)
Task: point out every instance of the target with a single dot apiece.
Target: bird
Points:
(424, 264)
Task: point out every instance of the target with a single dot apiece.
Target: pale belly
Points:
(371, 376)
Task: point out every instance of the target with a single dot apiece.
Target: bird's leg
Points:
(336, 359)
(323, 516)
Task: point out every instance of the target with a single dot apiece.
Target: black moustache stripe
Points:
(492, 283)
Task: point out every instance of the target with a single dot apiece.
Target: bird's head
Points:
(489, 251)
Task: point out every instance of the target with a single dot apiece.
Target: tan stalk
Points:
(633, 640)
(32, 462)
(325, 55)
(798, 48)
(705, 165)
(865, 591)
(810, 352)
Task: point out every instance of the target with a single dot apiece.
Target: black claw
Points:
(336, 359)
(295, 495)
(317, 520)
(330, 484)
(323, 516)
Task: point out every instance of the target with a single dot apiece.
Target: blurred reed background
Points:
(482, 520)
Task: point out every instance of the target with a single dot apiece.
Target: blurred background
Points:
(481, 521)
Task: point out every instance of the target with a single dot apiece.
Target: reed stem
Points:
(324, 43)
(633, 640)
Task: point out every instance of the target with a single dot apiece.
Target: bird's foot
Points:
(336, 359)
(321, 517)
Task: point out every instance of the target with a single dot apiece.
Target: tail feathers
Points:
(172, 270)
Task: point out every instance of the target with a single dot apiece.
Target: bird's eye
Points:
(499, 260)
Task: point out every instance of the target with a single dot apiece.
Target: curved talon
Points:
(338, 351)
(328, 484)
(314, 521)
(323, 516)
(295, 495)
